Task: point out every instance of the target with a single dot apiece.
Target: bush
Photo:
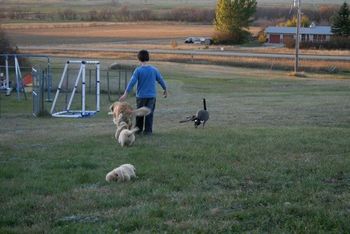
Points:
(230, 38)
(189, 15)
(173, 44)
(289, 42)
(341, 43)
(262, 37)
(67, 14)
(7, 48)
(336, 43)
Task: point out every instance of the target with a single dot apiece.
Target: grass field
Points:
(273, 158)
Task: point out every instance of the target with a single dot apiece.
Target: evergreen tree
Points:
(341, 22)
(233, 17)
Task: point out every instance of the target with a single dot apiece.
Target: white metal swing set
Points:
(68, 113)
(5, 84)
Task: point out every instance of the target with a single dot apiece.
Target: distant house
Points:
(312, 33)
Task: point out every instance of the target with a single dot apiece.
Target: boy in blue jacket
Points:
(146, 77)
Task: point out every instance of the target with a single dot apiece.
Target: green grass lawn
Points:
(273, 158)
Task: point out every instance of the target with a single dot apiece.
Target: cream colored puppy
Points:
(120, 128)
(122, 173)
(127, 137)
(123, 135)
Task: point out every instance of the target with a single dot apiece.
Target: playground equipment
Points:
(69, 102)
(67, 112)
(5, 81)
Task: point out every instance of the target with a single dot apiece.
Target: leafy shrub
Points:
(189, 15)
(262, 37)
(173, 44)
(230, 38)
(342, 43)
(289, 42)
(7, 48)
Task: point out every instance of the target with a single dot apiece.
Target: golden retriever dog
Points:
(122, 173)
(123, 112)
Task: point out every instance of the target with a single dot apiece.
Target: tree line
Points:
(121, 13)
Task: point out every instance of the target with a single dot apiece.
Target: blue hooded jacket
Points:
(146, 76)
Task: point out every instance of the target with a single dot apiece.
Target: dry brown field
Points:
(57, 33)
(151, 35)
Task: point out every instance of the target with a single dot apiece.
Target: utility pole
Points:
(297, 41)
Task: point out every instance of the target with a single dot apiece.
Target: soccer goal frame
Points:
(68, 113)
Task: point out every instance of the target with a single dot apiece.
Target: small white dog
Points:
(120, 128)
(127, 137)
(122, 173)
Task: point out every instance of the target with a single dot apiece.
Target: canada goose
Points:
(201, 117)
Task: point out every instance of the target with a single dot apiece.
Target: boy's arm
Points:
(129, 87)
(161, 81)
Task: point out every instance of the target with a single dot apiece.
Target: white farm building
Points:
(312, 33)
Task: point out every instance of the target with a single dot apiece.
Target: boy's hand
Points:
(165, 94)
(123, 97)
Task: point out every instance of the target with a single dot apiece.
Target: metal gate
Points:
(38, 93)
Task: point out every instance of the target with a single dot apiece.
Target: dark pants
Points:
(146, 121)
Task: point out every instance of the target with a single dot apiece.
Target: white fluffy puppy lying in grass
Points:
(122, 173)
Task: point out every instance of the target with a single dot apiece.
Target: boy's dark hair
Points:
(143, 56)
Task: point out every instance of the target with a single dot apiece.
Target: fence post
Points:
(0, 105)
(89, 81)
(125, 78)
(98, 87)
(42, 88)
(7, 73)
(108, 88)
(119, 79)
(49, 81)
(67, 86)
